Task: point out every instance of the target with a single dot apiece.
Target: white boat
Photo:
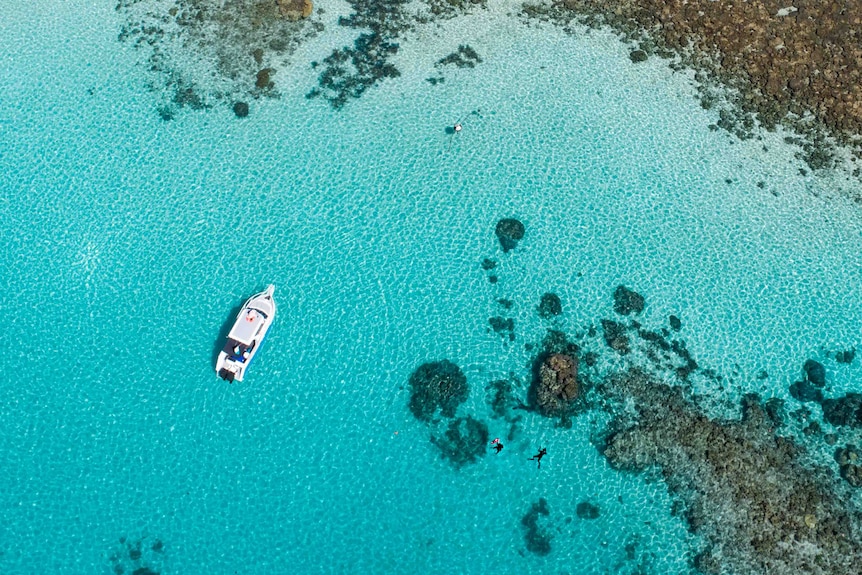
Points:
(246, 335)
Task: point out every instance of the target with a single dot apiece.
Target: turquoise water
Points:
(130, 240)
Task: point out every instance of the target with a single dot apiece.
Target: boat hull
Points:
(246, 336)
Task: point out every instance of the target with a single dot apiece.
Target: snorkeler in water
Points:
(538, 457)
(497, 445)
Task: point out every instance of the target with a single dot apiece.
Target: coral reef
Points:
(746, 489)
(350, 71)
(465, 57)
(200, 52)
(503, 326)
(843, 411)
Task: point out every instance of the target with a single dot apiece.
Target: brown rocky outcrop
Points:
(792, 57)
(557, 384)
(295, 9)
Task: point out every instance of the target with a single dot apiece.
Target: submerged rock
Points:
(615, 336)
(549, 306)
(240, 109)
(638, 56)
(627, 301)
(805, 391)
(437, 385)
(465, 441)
(556, 386)
(844, 411)
(538, 541)
(815, 372)
(587, 510)
(846, 356)
(509, 231)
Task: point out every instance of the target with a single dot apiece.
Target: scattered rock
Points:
(505, 326)
(587, 510)
(488, 264)
(437, 385)
(557, 384)
(549, 306)
(846, 356)
(240, 109)
(675, 323)
(627, 301)
(263, 79)
(815, 372)
(509, 231)
(638, 56)
(465, 441)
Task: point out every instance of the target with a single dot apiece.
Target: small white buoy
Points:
(457, 127)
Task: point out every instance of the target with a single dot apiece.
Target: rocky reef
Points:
(745, 489)
(556, 386)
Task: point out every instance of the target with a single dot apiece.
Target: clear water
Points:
(130, 240)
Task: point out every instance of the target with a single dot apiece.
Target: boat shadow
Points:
(222, 334)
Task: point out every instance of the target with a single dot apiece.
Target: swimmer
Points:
(538, 457)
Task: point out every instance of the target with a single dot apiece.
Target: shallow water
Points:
(129, 241)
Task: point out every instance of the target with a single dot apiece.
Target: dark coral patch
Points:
(587, 510)
(465, 57)
(627, 301)
(505, 326)
(815, 372)
(240, 109)
(437, 385)
(550, 306)
(465, 441)
(537, 539)
(509, 231)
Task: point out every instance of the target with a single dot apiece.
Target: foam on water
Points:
(129, 241)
